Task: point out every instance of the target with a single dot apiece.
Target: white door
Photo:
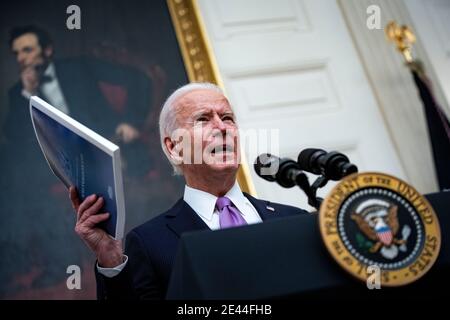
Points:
(291, 65)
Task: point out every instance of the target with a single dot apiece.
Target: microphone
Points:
(285, 172)
(332, 165)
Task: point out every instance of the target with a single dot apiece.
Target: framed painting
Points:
(110, 65)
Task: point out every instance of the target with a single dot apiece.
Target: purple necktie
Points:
(229, 215)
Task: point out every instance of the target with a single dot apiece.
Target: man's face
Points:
(206, 119)
(28, 52)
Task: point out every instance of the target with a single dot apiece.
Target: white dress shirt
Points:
(52, 90)
(204, 204)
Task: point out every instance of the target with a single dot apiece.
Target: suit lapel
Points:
(182, 218)
(66, 86)
(264, 209)
(77, 89)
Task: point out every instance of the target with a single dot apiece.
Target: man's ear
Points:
(174, 150)
(48, 52)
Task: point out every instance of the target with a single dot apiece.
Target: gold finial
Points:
(402, 37)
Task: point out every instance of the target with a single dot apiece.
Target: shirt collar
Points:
(204, 203)
(50, 71)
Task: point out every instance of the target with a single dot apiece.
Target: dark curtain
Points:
(438, 129)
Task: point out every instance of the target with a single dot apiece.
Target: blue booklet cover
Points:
(81, 158)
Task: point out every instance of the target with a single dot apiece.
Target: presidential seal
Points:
(373, 219)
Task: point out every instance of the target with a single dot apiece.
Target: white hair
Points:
(168, 120)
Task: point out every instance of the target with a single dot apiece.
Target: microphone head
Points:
(337, 166)
(266, 166)
(348, 169)
(307, 160)
(287, 172)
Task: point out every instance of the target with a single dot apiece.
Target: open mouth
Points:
(222, 149)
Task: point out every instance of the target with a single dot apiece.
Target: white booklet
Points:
(81, 158)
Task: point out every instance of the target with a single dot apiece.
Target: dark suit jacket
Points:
(151, 250)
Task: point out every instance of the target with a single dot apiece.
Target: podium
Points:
(285, 258)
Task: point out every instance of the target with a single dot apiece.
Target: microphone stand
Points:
(320, 182)
(302, 181)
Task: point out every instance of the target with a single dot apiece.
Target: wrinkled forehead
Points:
(202, 100)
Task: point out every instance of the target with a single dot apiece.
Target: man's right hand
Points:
(109, 252)
(30, 79)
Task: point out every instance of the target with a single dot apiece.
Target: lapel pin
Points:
(270, 208)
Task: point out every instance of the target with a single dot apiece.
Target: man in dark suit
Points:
(74, 86)
(199, 136)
